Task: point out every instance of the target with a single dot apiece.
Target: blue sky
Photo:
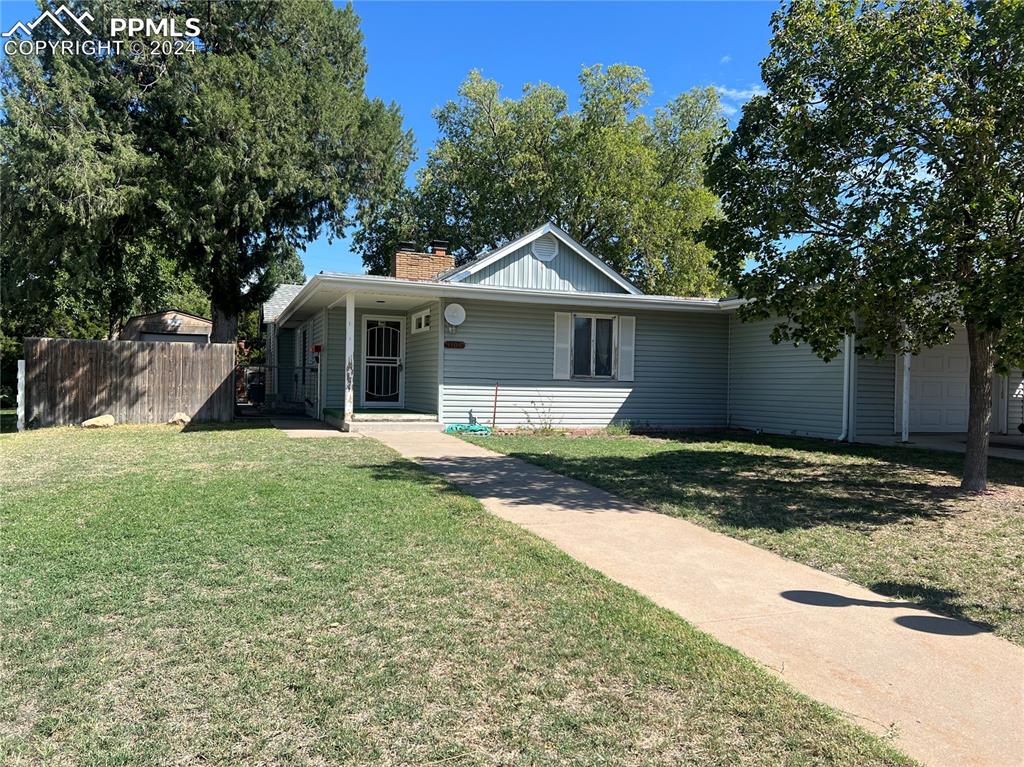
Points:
(419, 52)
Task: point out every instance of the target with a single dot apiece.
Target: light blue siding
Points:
(285, 361)
(875, 397)
(780, 388)
(314, 329)
(421, 363)
(334, 359)
(680, 366)
(420, 368)
(566, 271)
(1015, 415)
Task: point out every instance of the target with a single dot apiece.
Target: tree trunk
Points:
(225, 326)
(979, 418)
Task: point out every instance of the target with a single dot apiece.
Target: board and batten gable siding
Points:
(421, 362)
(567, 271)
(679, 371)
(781, 388)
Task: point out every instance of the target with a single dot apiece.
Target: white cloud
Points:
(725, 59)
(732, 99)
(741, 94)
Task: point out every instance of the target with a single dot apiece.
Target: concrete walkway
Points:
(954, 695)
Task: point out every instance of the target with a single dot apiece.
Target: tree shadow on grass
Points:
(778, 483)
(771, 491)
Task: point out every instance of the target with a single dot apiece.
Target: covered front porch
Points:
(376, 352)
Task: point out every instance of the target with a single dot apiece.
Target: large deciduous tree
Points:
(267, 138)
(877, 189)
(627, 185)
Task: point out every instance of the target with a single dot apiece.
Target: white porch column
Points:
(350, 353)
(439, 320)
(905, 415)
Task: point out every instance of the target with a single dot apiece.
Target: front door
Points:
(382, 384)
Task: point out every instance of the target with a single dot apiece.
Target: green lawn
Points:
(890, 519)
(233, 597)
(8, 419)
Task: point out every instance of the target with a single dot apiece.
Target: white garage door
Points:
(939, 383)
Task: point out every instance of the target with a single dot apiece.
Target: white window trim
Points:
(425, 327)
(593, 346)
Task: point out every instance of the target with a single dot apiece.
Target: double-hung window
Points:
(593, 345)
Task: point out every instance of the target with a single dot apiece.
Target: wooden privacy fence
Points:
(68, 381)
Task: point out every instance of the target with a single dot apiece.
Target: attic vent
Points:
(545, 248)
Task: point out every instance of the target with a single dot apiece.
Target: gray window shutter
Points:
(563, 345)
(627, 334)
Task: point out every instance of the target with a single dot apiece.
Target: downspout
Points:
(847, 346)
(905, 400)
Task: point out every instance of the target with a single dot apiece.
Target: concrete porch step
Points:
(392, 417)
(379, 425)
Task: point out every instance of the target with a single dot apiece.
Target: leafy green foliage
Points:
(78, 214)
(266, 138)
(627, 186)
(82, 248)
(878, 186)
(882, 175)
(133, 182)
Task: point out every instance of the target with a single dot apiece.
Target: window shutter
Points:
(563, 344)
(627, 333)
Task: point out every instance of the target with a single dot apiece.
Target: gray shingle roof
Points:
(279, 301)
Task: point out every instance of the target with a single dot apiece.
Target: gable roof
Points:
(279, 301)
(460, 273)
(162, 312)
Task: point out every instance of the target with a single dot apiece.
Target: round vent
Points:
(545, 248)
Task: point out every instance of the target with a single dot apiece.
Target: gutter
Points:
(457, 290)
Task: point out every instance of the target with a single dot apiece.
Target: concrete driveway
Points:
(952, 693)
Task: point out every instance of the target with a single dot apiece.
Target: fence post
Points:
(21, 395)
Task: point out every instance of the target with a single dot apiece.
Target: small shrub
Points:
(619, 429)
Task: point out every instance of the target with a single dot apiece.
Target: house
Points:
(168, 325)
(541, 332)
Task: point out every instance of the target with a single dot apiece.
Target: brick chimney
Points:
(408, 264)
